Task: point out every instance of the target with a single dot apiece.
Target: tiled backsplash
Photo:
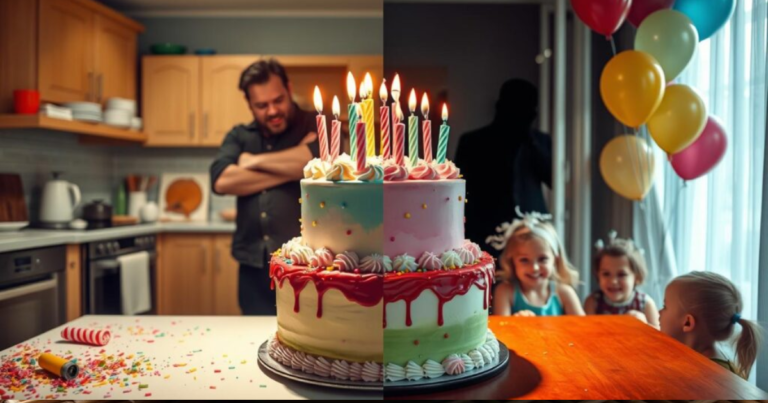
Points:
(97, 170)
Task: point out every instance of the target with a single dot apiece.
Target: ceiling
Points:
(234, 8)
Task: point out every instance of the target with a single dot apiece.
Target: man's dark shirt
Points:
(267, 219)
(502, 172)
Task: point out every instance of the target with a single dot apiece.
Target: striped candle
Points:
(426, 129)
(413, 130)
(86, 336)
(360, 145)
(399, 138)
(384, 121)
(442, 143)
(366, 90)
(335, 130)
(352, 111)
(322, 129)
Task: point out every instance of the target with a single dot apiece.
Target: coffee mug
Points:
(26, 101)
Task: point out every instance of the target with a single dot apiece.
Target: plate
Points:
(13, 225)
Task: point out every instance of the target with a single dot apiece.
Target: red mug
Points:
(26, 101)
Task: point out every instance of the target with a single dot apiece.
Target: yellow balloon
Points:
(632, 86)
(627, 166)
(679, 120)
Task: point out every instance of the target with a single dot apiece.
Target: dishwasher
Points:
(32, 293)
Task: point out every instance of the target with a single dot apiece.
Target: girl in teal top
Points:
(538, 279)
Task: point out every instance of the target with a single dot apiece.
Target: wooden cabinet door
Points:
(115, 60)
(223, 104)
(225, 277)
(170, 100)
(185, 275)
(65, 52)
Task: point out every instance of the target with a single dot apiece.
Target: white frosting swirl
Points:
(486, 353)
(375, 264)
(453, 365)
(465, 255)
(323, 258)
(477, 358)
(468, 363)
(341, 170)
(309, 364)
(405, 262)
(288, 246)
(451, 260)
(316, 169)
(297, 360)
(322, 367)
(340, 369)
(355, 371)
(447, 170)
(300, 255)
(433, 369)
(413, 371)
(346, 261)
(429, 261)
(371, 173)
(394, 372)
(371, 371)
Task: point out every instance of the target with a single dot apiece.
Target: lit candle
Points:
(399, 140)
(413, 130)
(445, 130)
(351, 111)
(322, 134)
(360, 139)
(396, 99)
(426, 129)
(367, 103)
(335, 130)
(384, 117)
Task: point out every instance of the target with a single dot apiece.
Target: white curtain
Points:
(713, 222)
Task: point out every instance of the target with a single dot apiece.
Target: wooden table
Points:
(599, 357)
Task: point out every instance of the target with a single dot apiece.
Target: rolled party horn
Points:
(58, 366)
(86, 336)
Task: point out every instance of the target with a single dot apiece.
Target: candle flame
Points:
(368, 85)
(318, 101)
(363, 91)
(399, 112)
(383, 92)
(412, 101)
(425, 106)
(335, 107)
(351, 87)
(445, 112)
(359, 111)
(396, 88)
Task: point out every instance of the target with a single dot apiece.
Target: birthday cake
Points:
(382, 285)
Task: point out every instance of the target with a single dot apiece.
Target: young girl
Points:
(702, 308)
(620, 268)
(539, 280)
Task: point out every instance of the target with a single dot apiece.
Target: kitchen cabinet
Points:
(196, 275)
(69, 50)
(194, 101)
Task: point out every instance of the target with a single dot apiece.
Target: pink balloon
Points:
(701, 156)
(643, 8)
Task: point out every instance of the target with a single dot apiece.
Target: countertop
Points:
(160, 357)
(37, 238)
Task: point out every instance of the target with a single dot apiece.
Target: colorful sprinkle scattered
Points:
(407, 215)
(322, 204)
(424, 206)
(314, 223)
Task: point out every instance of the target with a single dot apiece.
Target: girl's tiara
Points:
(612, 239)
(531, 222)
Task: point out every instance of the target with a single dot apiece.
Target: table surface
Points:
(600, 357)
(196, 357)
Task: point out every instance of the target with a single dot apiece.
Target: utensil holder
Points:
(135, 201)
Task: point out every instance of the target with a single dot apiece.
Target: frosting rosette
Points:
(341, 169)
(447, 170)
(371, 173)
(394, 172)
(423, 171)
(316, 169)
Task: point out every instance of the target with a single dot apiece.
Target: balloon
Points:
(679, 120)
(627, 165)
(632, 86)
(602, 16)
(707, 16)
(670, 37)
(643, 8)
(701, 156)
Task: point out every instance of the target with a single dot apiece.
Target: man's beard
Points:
(286, 117)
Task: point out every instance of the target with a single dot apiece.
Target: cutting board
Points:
(12, 205)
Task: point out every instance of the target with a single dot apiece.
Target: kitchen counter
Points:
(160, 357)
(38, 238)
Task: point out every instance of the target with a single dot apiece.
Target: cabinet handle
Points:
(192, 125)
(205, 125)
(90, 95)
(100, 87)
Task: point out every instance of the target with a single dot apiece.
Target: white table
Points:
(184, 354)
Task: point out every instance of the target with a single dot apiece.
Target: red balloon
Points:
(603, 16)
(701, 156)
(643, 8)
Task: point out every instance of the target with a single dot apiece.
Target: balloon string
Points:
(613, 45)
(664, 226)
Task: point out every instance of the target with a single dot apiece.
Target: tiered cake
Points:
(382, 284)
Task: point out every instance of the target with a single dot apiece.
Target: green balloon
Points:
(670, 37)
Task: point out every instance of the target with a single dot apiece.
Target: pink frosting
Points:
(429, 261)
(297, 361)
(356, 371)
(346, 261)
(372, 372)
(395, 172)
(423, 172)
(322, 367)
(465, 254)
(322, 258)
(340, 369)
(453, 365)
(448, 170)
(473, 247)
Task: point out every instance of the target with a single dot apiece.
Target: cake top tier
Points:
(378, 170)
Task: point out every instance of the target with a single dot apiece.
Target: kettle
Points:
(59, 201)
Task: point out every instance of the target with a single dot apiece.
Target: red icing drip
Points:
(444, 284)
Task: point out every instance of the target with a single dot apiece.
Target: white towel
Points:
(134, 283)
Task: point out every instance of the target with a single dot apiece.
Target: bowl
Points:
(123, 104)
(168, 49)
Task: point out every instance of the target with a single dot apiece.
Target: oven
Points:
(32, 293)
(103, 281)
